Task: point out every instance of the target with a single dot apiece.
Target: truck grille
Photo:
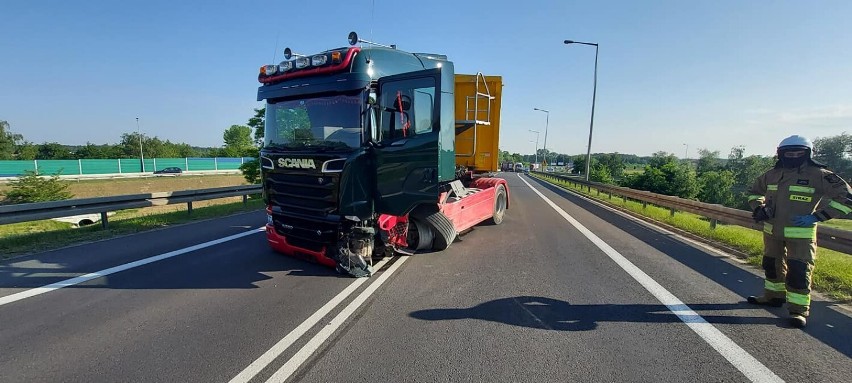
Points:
(303, 194)
(306, 233)
(308, 204)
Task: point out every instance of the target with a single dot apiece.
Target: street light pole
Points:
(546, 123)
(536, 143)
(141, 156)
(686, 152)
(594, 95)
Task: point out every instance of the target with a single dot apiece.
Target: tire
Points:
(444, 231)
(424, 234)
(500, 203)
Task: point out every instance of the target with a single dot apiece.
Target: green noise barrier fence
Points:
(117, 166)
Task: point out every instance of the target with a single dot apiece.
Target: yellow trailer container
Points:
(477, 99)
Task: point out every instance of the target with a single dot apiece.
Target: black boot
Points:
(764, 301)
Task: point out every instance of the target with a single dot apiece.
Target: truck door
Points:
(407, 151)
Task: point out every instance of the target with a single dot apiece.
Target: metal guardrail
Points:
(827, 237)
(56, 209)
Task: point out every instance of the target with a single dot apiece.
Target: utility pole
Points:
(536, 144)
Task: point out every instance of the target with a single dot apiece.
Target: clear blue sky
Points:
(707, 74)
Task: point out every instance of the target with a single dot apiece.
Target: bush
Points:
(601, 173)
(664, 174)
(32, 188)
(251, 171)
(715, 187)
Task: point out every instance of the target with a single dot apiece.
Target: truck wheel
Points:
(445, 232)
(499, 205)
(420, 235)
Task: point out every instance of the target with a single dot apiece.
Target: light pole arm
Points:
(580, 42)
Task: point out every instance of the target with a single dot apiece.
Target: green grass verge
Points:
(30, 237)
(833, 272)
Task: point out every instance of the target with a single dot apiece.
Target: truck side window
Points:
(407, 107)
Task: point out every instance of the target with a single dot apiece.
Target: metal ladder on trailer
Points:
(473, 113)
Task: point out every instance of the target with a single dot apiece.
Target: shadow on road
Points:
(825, 324)
(189, 271)
(557, 315)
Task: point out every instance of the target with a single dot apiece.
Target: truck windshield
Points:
(330, 123)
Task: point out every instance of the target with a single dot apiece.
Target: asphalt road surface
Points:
(564, 290)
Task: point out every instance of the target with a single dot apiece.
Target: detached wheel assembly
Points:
(420, 235)
(445, 232)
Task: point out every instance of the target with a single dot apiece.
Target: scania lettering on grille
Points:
(303, 163)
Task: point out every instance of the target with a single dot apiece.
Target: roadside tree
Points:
(664, 174)
(715, 187)
(26, 151)
(8, 141)
(835, 152)
(238, 141)
(54, 151)
(258, 125)
(600, 173)
(708, 161)
(613, 162)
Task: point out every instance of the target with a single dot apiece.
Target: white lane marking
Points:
(739, 358)
(308, 349)
(112, 270)
(270, 355)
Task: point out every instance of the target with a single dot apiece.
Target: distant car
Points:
(170, 171)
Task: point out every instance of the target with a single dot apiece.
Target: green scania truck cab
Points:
(369, 150)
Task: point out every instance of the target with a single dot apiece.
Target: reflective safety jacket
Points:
(791, 192)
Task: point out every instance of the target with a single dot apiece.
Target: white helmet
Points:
(796, 141)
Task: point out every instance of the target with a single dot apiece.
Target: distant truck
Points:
(372, 150)
(519, 167)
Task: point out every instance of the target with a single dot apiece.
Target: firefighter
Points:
(785, 199)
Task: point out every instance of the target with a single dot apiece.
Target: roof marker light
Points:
(270, 70)
(335, 57)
